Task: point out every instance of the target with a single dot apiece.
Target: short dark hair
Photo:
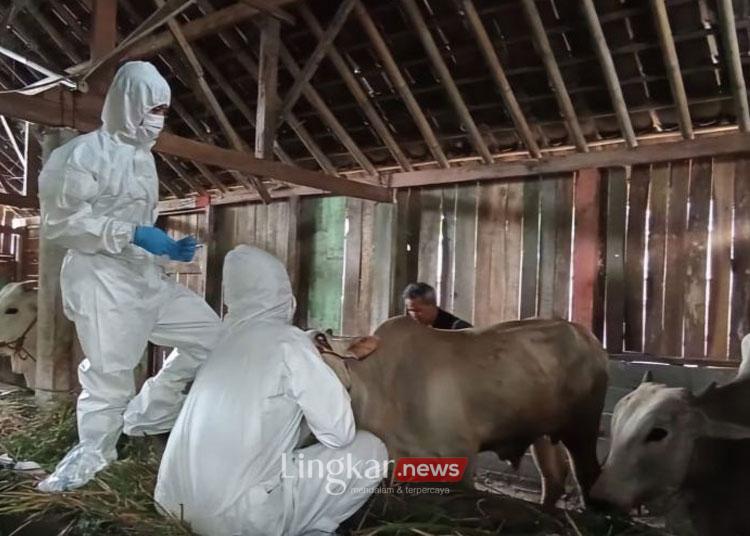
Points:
(421, 291)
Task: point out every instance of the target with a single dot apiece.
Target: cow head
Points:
(336, 351)
(654, 430)
(18, 308)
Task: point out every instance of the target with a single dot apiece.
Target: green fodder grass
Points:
(119, 501)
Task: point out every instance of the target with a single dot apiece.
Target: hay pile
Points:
(119, 501)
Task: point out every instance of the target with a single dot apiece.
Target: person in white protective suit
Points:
(231, 466)
(99, 195)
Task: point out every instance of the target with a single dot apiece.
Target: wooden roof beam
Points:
(81, 113)
(672, 63)
(326, 114)
(208, 96)
(501, 79)
(610, 73)
(446, 79)
(195, 29)
(705, 146)
(102, 41)
(324, 44)
(398, 81)
(248, 63)
(541, 42)
(267, 107)
(268, 7)
(237, 100)
(174, 166)
(357, 92)
(732, 48)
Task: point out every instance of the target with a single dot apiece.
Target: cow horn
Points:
(26, 285)
(647, 377)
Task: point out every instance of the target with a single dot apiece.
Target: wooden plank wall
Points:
(653, 258)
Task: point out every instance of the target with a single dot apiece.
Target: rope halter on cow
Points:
(321, 343)
(16, 345)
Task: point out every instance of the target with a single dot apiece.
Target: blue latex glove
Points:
(154, 240)
(184, 249)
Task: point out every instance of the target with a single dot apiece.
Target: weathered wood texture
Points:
(650, 257)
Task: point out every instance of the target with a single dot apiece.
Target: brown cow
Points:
(428, 392)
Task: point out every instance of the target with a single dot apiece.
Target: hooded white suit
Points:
(94, 191)
(222, 470)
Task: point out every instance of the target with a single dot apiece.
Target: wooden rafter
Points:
(237, 100)
(324, 44)
(234, 139)
(610, 73)
(59, 109)
(103, 40)
(672, 64)
(272, 10)
(541, 41)
(726, 144)
(210, 24)
(248, 63)
(13, 141)
(312, 95)
(268, 99)
(175, 167)
(446, 79)
(501, 79)
(398, 81)
(732, 48)
(357, 92)
(59, 39)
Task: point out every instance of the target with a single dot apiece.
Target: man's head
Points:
(420, 303)
(136, 103)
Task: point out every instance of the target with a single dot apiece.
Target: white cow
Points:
(18, 308)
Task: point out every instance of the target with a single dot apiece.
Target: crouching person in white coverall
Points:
(99, 194)
(231, 467)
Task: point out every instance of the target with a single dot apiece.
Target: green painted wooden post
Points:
(326, 264)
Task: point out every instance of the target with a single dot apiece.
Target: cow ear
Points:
(363, 347)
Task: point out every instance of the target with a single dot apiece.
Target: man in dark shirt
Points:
(420, 303)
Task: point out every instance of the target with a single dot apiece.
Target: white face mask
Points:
(150, 128)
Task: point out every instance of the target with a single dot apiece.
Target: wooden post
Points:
(732, 48)
(268, 99)
(586, 246)
(102, 41)
(55, 359)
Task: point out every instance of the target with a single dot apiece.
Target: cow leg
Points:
(580, 439)
(552, 463)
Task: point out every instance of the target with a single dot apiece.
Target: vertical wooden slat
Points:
(491, 250)
(465, 252)
(293, 242)
(305, 236)
(406, 245)
(429, 236)
(368, 266)
(741, 263)
(564, 216)
(674, 299)
(547, 246)
(656, 241)
(383, 260)
(352, 267)
(615, 258)
(697, 245)
(513, 252)
(721, 243)
(448, 216)
(586, 245)
(327, 260)
(634, 257)
(530, 266)
(267, 109)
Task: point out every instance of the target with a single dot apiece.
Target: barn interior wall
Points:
(654, 257)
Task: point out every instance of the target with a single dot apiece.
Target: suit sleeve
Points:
(67, 190)
(321, 395)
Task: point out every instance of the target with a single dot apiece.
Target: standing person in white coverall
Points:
(230, 467)
(99, 195)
